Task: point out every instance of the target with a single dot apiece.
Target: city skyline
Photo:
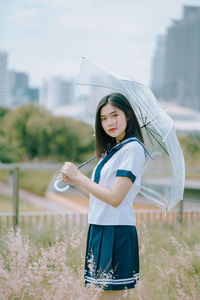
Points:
(176, 63)
(47, 38)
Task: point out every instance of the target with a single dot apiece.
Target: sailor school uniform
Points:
(112, 241)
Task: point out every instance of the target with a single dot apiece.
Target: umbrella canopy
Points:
(163, 179)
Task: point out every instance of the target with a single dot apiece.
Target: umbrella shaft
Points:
(86, 162)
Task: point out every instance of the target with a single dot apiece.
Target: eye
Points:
(115, 115)
(103, 119)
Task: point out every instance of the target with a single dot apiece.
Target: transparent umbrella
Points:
(163, 179)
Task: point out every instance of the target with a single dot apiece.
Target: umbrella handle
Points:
(65, 188)
(59, 189)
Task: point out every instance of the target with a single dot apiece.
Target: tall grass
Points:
(49, 264)
(170, 262)
(6, 205)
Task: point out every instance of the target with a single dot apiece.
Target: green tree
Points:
(3, 111)
(69, 139)
(15, 125)
(37, 134)
(8, 151)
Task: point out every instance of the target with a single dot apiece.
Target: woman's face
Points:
(113, 121)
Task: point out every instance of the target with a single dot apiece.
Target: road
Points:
(42, 202)
(55, 202)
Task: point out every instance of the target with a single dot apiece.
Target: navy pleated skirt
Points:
(112, 257)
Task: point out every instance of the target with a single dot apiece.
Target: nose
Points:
(110, 122)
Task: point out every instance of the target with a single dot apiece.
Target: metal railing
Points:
(15, 168)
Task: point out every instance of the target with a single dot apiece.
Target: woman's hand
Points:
(65, 179)
(72, 177)
(70, 173)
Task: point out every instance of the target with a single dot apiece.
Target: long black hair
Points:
(103, 141)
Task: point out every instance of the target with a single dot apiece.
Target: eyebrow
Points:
(112, 112)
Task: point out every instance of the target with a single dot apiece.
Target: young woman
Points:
(112, 242)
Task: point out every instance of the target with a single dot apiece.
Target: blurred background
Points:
(42, 119)
(43, 123)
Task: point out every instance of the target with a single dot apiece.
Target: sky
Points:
(48, 37)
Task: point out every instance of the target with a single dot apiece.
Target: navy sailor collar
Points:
(113, 151)
(128, 140)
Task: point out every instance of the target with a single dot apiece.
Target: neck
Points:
(119, 138)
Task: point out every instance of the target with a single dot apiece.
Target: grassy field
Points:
(35, 181)
(48, 263)
(24, 206)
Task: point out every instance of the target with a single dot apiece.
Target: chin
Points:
(113, 135)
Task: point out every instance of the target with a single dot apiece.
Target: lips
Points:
(112, 129)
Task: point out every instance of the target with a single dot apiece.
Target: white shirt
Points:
(128, 161)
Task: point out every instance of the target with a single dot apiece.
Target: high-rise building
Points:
(43, 94)
(33, 94)
(56, 92)
(181, 83)
(18, 85)
(68, 91)
(19, 91)
(3, 77)
(158, 66)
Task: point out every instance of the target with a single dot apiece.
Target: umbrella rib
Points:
(154, 132)
(149, 135)
(141, 116)
(144, 121)
(145, 125)
(158, 142)
(148, 123)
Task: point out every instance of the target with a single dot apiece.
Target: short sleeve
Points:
(131, 161)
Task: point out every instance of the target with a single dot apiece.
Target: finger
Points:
(62, 178)
(67, 163)
(64, 170)
(63, 173)
(66, 180)
(65, 177)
